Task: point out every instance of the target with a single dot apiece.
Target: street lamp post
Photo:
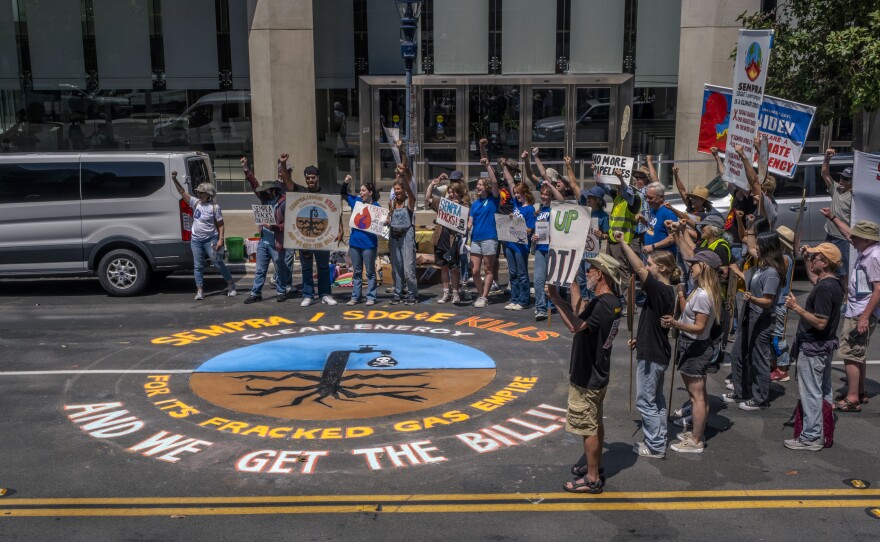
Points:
(409, 11)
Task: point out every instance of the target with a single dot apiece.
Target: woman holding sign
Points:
(362, 244)
(652, 344)
(484, 236)
(402, 240)
(447, 242)
(517, 254)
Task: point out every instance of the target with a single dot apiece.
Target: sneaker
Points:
(456, 299)
(273, 280)
(231, 292)
(389, 290)
(306, 301)
(730, 398)
(495, 288)
(685, 410)
(798, 444)
(395, 300)
(370, 302)
(290, 290)
(480, 302)
(728, 381)
(509, 306)
(751, 405)
(281, 298)
(779, 376)
(641, 449)
(540, 316)
(684, 435)
(352, 301)
(729, 385)
(199, 296)
(328, 300)
(515, 307)
(410, 300)
(688, 446)
(684, 421)
(253, 299)
(445, 297)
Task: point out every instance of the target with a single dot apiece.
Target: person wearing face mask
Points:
(207, 234)
(271, 246)
(362, 244)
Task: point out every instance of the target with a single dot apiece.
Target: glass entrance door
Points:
(389, 107)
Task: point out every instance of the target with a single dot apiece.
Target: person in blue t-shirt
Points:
(594, 198)
(541, 251)
(362, 244)
(484, 236)
(517, 254)
(657, 236)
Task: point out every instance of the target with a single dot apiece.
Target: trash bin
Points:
(235, 245)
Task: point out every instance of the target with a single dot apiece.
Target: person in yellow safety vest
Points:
(625, 209)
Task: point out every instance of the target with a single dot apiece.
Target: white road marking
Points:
(97, 371)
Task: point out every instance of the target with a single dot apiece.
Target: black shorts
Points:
(694, 357)
(446, 258)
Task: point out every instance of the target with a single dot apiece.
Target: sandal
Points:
(863, 398)
(847, 406)
(582, 485)
(581, 472)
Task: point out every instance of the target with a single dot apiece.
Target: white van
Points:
(114, 215)
(219, 122)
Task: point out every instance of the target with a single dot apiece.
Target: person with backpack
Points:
(815, 343)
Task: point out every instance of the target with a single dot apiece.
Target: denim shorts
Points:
(486, 247)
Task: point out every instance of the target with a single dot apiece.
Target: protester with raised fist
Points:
(402, 238)
(362, 244)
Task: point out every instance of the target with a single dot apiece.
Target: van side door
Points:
(40, 224)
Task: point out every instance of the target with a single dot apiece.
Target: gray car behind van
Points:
(116, 216)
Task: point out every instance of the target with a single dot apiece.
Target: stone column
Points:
(282, 64)
(708, 35)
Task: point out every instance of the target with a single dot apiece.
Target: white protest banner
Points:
(749, 76)
(785, 123)
(866, 192)
(392, 135)
(569, 228)
(369, 218)
(542, 230)
(605, 164)
(312, 221)
(453, 215)
(511, 229)
(264, 214)
(593, 246)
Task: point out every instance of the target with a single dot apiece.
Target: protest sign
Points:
(593, 246)
(511, 229)
(605, 164)
(392, 135)
(312, 221)
(785, 123)
(453, 216)
(369, 218)
(569, 228)
(264, 214)
(749, 76)
(542, 230)
(866, 191)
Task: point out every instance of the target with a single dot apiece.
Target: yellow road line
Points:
(586, 506)
(744, 493)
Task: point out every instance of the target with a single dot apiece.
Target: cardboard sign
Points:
(453, 215)
(511, 229)
(312, 221)
(392, 135)
(369, 218)
(593, 246)
(264, 214)
(605, 164)
(785, 123)
(749, 76)
(542, 230)
(569, 228)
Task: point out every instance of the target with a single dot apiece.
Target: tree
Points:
(825, 53)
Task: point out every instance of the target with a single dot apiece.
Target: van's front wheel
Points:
(123, 273)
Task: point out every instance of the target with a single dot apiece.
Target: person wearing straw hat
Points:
(782, 359)
(815, 343)
(862, 308)
(700, 310)
(594, 325)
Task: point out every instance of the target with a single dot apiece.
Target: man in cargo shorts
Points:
(594, 325)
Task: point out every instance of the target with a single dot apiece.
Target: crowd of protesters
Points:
(703, 278)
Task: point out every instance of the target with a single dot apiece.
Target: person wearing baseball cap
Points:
(700, 311)
(841, 208)
(594, 325)
(862, 309)
(815, 342)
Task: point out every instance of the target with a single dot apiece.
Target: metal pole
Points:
(408, 120)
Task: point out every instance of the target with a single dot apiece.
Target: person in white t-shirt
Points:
(700, 311)
(207, 234)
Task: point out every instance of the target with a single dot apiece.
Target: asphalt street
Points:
(165, 418)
